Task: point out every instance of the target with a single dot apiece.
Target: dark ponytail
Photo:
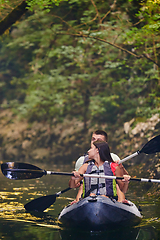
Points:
(104, 150)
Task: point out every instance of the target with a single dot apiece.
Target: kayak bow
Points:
(99, 213)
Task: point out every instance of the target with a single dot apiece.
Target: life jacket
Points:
(99, 186)
(85, 158)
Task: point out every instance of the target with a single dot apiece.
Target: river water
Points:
(16, 223)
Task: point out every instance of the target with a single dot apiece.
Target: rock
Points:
(10, 152)
(26, 144)
(141, 127)
(127, 126)
(40, 154)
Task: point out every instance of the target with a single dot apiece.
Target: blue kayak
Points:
(98, 213)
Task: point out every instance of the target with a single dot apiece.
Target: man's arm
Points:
(116, 159)
(123, 184)
(123, 169)
(79, 194)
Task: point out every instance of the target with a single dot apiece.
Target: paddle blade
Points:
(40, 204)
(153, 146)
(19, 171)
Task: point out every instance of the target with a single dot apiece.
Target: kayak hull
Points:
(99, 213)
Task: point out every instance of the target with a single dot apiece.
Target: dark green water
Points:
(16, 223)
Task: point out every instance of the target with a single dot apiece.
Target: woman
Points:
(101, 162)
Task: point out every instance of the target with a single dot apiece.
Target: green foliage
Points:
(32, 4)
(54, 67)
(147, 38)
(42, 4)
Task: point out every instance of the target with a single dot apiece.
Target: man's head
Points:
(99, 135)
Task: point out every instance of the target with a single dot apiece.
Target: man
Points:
(96, 135)
(99, 135)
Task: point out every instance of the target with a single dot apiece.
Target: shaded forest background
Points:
(70, 67)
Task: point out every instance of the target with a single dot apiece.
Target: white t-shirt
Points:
(80, 161)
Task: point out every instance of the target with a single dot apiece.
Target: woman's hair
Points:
(104, 150)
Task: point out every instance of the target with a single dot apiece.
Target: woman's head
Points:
(104, 150)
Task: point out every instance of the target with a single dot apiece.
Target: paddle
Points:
(42, 203)
(153, 146)
(19, 171)
(15, 171)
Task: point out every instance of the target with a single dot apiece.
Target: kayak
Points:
(98, 213)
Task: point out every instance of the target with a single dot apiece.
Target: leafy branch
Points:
(116, 46)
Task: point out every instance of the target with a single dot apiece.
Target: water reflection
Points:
(13, 230)
(121, 234)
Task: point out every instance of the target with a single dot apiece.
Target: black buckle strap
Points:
(93, 187)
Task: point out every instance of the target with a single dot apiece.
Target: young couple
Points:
(100, 161)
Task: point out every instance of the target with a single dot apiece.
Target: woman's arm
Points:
(74, 181)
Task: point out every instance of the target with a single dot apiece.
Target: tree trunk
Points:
(12, 17)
